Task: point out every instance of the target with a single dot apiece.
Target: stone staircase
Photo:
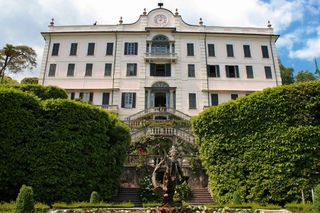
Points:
(200, 196)
(128, 195)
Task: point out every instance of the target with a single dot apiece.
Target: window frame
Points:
(236, 71)
(190, 49)
(268, 72)
(105, 99)
(191, 70)
(213, 73)
(55, 49)
(132, 72)
(91, 49)
(89, 70)
(265, 51)
(70, 70)
(230, 51)
(211, 50)
(105, 69)
(73, 49)
(128, 100)
(214, 101)
(234, 96)
(246, 51)
(131, 48)
(249, 72)
(192, 101)
(109, 48)
(52, 70)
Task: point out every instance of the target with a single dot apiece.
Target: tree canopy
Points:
(30, 80)
(16, 59)
(305, 75)
(264, 146)
(286, 74)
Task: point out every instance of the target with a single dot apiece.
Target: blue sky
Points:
(297, 21)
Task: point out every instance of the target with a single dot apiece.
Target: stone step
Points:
(128, 195)
(201, 196)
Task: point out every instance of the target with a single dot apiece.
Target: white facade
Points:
(156, 49)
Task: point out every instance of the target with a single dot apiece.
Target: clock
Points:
(160, 19)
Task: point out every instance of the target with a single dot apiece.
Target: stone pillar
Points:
(171, 99)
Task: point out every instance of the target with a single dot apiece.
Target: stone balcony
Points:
(165, 57)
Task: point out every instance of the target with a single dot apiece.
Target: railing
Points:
(164, 131)
(160, 55)
(159, 110)
(150, 160)
(111, 108)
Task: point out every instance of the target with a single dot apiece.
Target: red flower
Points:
(140, 150)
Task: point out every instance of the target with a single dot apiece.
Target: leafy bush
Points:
(317, 198)
(146, 192)
(91, 205)
(94, 198)
(236, 198)
(183, 192)
(25, 200)
(43, 92)
(299, 207)
(265, 145)
(64, 149)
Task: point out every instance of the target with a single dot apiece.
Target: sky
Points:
(296, 21)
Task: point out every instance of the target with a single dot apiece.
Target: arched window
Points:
(160, 45)
(160, 38)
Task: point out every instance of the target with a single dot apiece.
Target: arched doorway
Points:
(160, 94)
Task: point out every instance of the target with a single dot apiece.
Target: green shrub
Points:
(43, 92)
(62, 148)
(183, 192)
(25, 200)
(236, 198)
(263, 145)
(94, 198)
(317, 198)
(62, 205)
(146, 193)
(299, 207)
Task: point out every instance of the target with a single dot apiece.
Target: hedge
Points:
(43, 92)
(266, 146)
(64, 149)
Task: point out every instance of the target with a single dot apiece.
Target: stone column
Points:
(171, 98)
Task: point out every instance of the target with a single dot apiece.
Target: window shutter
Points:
(168, 70)
(91, 97)
(136, 48)
(126, 48)
(237, 71)
(134, 101)
(122, 99)
(81, 95)
(135, 69)
(218, 71)
(152, 69)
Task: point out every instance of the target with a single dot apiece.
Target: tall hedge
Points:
(69, 148)
(43, 92)
(266, 146)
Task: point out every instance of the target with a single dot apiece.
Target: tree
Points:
(25, 200)
(16, 59)
(30, 80)
(286, 74)
(305, 75)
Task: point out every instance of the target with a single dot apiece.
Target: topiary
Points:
(317, 198)
(25, 200)
(94, 198)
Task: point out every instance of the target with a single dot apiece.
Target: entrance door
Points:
(160, 99)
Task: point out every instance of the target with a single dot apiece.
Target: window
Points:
(214, 99)
(246, 50)
(268, 72)
(211, 51)
(107, 69)
(249, 70)
(192, 101)
(55, 49)
(230, 50)
(232, 71)
(213, 71)
(70, 71)
(234, 96)
(109, 50)
(71, 95)
(265, 53)
(160, 69)
(105, 98)
(191, 71)
(73, 49)
(131, 48)
(128, 100)
(131, 69)
(91, 48)
(88, 70)
(190, 49)
(52, 70)
(86, 96)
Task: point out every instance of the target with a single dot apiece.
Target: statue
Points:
(172, 175)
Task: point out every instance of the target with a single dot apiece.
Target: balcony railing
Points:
(151, 160)
(160, 56)
(111, 108)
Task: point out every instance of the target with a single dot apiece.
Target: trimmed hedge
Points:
(43, 92)
(266, 146)
(64, 149)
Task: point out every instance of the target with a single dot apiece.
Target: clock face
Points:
(160, 19)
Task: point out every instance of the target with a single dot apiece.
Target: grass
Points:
(11, 207)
